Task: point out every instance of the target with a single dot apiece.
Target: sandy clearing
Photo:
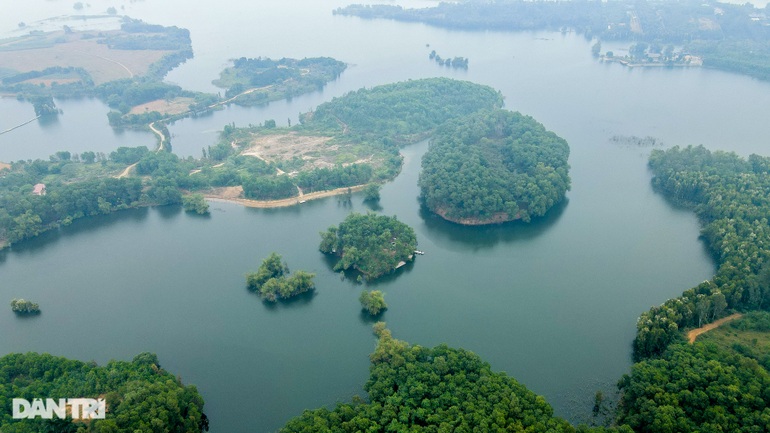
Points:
(227, 196)
(4, 166)
(284, 147)
(692, 335)
(165, 107)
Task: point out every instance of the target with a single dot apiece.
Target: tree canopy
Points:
(417, 389)
(273, 282)
(494, 166)
(372, 244)
(141, 397)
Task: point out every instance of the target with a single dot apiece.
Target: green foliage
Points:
(281, 79)
(128, 155)
(398, 113)
(141, 397)
(731, 196)
(696, 388)
(21, 306)
(195, 203)
(492, 167)
(69, 197)
(373, 302)
(372, 244)
(372, 192)
(417, 389)
(272, 280)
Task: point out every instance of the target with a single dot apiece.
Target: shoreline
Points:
(284, 202)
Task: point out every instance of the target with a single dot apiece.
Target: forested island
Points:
(373, 302)
(440, 389)
(492, 167)
(726, 36)
(272, 280)
(140, 395)
(262, 80)
(708, 386)
(23, 307)
(371, 244)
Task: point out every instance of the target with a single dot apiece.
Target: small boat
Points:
(302, 201)
(418, 252)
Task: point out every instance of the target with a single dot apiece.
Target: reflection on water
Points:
(452, 236)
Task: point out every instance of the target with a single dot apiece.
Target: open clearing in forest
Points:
(314, 150)
(165, 107)
(104, 64)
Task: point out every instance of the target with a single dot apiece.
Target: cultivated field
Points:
(37, 52)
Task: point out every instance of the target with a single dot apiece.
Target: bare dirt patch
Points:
(165, 107)
(4, 166)
(314, 150)
(221, 194)
(104, 64)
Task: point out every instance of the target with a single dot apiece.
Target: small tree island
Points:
(373, 302)
(23, 307)
(372, 244)
(272, 281)
(493, 167)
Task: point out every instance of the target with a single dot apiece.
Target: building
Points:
(39, 189)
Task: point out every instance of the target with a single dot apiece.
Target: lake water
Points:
(553, 303)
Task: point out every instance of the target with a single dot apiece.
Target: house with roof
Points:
(39, 189)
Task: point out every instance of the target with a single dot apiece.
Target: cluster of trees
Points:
(138, 35)
(22, 306)
(696, 388)
(195, 203)
(288, 77)
(373, 302)
(731, 37)
(440, 389)
(140, 395)
(494, 166)
(372, 244)
(272, 280)
(457, 62)
(731, 196)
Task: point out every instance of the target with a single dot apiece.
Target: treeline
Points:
(494, 166)
(683, 388)
(372, 244)
(730, 37)
(440, 389)
(138, 35)
(140, 395)
(457, 62)
(731, 197)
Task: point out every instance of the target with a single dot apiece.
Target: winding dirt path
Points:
(283, 202)
(692, 335)
(125, 172)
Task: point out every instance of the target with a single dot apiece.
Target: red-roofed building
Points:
(39, 189)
